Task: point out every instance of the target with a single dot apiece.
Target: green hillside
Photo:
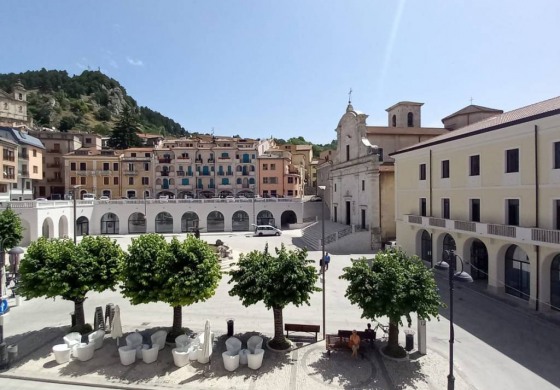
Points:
(90, 102)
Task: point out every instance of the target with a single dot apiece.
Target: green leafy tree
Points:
(67, 123)
(103, 114)
(178, 273)
(60, 268)
(395, 285)
(277, 281)
(11, 229)
(124, 134)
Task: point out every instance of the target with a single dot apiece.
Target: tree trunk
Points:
(177, 328)
(79, 312)
(393, 348)
(278, 324)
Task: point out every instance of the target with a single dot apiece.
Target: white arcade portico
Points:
(55, 219)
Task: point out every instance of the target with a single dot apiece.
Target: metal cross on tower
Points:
(350, 96)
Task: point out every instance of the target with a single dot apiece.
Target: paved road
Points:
(20, 384)
(498, 345)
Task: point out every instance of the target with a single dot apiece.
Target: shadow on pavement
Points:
(514, 330)
(31, 345)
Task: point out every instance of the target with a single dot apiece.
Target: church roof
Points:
(473, 108)
(521, 115)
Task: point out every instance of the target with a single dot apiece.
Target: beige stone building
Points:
(359, 175)
(9, 167)
(490, 191)
(206, 166)
(94, 171)
(30, 162)
(13, 107)
(302, 156)
(137, 173)
(278, 176)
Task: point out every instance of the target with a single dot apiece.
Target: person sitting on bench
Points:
(354, 343)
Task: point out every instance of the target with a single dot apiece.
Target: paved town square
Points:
(497, 344)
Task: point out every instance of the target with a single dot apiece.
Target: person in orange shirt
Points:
(354, 343)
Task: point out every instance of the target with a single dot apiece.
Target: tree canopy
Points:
(11, 229)
(124, 133)
(177, 273)
(395, 285)
(60, 268)
(277, 281)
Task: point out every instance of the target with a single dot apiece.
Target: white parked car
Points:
(230, 198)
(104, 197)
(88, 197)
(41, 199)
(267, 230)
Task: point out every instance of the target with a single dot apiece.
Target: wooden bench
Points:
(302, 328)
(342, 338)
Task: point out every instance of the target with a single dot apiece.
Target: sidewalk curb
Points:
(76, 383)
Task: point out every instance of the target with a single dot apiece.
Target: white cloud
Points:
(134, 62)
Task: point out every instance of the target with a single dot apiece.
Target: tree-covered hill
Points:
(317, 148)
(90, 101)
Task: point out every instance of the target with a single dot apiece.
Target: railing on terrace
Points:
(545, 235)
(501, 230)
(464, 225)
(437, 222)
(415, 219)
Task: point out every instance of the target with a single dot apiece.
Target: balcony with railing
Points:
(24, 156)
(225, 159)
(9, 176)
(180, 173)
(185, 186)
(54, 180)
(54, 165)
(519, 234)
(130, 173)
(225, 186)
(164, 160)
(9, 157)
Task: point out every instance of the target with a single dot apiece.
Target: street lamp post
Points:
(460, 277)
(323, 256)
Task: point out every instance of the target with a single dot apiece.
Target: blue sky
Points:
(283, 68)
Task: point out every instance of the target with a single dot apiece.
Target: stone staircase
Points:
(311, 235)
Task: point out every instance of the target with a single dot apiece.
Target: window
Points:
(557, 214)
(290, 180)
(394, 121)
(474, 165)
(347, 152)
(83, 180)
(445, 212)
(72, 166)
(82, 166)
(265, 167)
(290, 193)
(130, 181)
(512, 209)
(115, 181)
(363, 185)
(34, 153)
(20, 108)
(146, 166)
(518, 272)
(423, 210)
(557, 155)
(88, 140)
(512, 160)
(106, 180)
(445, 169)
(265, 180)
(334, 187)
(148, 155)
(475, 210)
(131, 167)
(422, 171)
(35, 169)
(27, 185)
(105, 166)
(272, 167)
(146, 181)
(115, 167)
(73, 180)
(410, 119)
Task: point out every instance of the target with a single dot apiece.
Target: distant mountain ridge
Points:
(90, 102)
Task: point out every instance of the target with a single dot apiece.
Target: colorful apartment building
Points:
(278, 177)
(9, 167)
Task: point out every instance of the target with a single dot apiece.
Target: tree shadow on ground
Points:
(215, 369)
(405, 374)
(35, 345)
(340, 369)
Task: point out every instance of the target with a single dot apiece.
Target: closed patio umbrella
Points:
(207, 346)
(116, 328)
